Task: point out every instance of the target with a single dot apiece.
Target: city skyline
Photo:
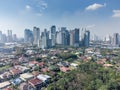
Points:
(101, 17)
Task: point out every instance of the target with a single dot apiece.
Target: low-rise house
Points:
(4, 85)
(41, 64)
(16, 81)
(15, 72)
(74, 65)
(26, 76)
(30, 52)
(35, 73)
(108, 65)
(54, 57)
(36, 83)
(45, 70)
(22, 68)
(61, 64)
(25, 86)
(7, 75)
(33, 63)
(64, 69)
(44, 55)
(44, 78)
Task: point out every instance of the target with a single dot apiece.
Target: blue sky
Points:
(101, 17)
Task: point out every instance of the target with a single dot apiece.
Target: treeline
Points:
(88, 76)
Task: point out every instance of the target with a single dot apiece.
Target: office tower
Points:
(63, 37)
(116, 39)
(4, 38)
(45, 42)
(53, 35)
(36, 35)
(72, 40)
(81, 38)
(14, 37)
(86, 38)
(28, 36)
(58, 37)
(45, 37)
(95, 38)
(108, 39)
(76, 35)
(0, 36)
(9, 38)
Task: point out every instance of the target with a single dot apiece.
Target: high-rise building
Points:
(28, 36)
(108, 39)
(36, 35)
(76, 36)
(53, 35)
(9, 38)
(58, 37)
(0, 36)
(45, 42)
(86, 41)
(4, 38)
(72, 40)
(116, 39)
(63, 37)
(95, 38)
(14, 37)
(81, 38)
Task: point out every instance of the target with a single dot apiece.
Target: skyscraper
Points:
(63, 37)
(36, 35)
(14, 37)
(28, 36)
(86, 38)
(45, 42)
(4, 38)
(9, 38)
(58, 38)
(74, 37)
(53, 35)
(116, 39)
(0, 36)
(72, 40)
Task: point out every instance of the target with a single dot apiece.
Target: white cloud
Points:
(36, 7)
(27, 7)
(116, 13)
(42, 4)
(95, 6)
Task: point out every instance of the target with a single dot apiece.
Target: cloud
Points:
(28, 7)
(116, 14)
(36, 7)
(41, 4)
(95, 6)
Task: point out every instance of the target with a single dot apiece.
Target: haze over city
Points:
(101, 17)
(59, 44)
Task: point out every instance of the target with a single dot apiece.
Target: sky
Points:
(101, 17)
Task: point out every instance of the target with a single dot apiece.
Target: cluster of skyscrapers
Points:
(113, 40)
(8, 38)
(54, 36)
(59, 37)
